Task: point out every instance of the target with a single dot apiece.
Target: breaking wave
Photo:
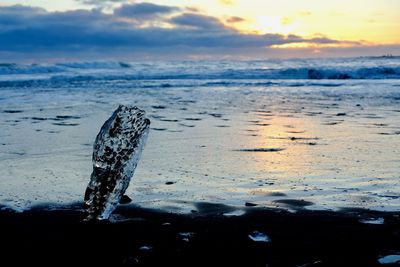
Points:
(219, 72)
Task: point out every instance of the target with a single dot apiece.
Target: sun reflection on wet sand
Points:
(297, 155)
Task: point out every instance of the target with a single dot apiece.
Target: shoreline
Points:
(144, 237)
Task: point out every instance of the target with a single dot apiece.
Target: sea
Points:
(319, 134)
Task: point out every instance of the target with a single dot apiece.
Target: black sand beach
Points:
(43, 237)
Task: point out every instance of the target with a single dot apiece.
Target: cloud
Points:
(101, 3)
(12, 17)
(21, 10)
(197, 21)
(143, 10)
(235, 20)
(40, 34)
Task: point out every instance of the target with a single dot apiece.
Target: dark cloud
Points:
(35, 32)
(12, 17)
(197, 21)
(144, 10)
(21, 10)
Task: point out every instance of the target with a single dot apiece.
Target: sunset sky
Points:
(40, 30)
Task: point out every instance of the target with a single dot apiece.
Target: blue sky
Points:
(89, 29)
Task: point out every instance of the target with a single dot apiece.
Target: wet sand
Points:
(331, 147)
(207, 237)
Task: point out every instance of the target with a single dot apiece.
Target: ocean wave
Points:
(95, 65)
(310, 70)
(319, 74)
(13, 68)
(131, 82)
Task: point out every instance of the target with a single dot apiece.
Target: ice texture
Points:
(116, 153)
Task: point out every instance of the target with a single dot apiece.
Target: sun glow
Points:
(273, 24)
(268, 24)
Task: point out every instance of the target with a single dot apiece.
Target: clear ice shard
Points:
(116, 153)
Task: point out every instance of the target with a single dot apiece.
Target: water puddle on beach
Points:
(310, 147)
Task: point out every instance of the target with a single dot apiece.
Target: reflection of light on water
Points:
(297, 157)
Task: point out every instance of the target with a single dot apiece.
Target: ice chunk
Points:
(389, 259)
(234, 213)
(116, 153)
(259, 237)
(186, 236)
(145, 248)
(373, 221)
